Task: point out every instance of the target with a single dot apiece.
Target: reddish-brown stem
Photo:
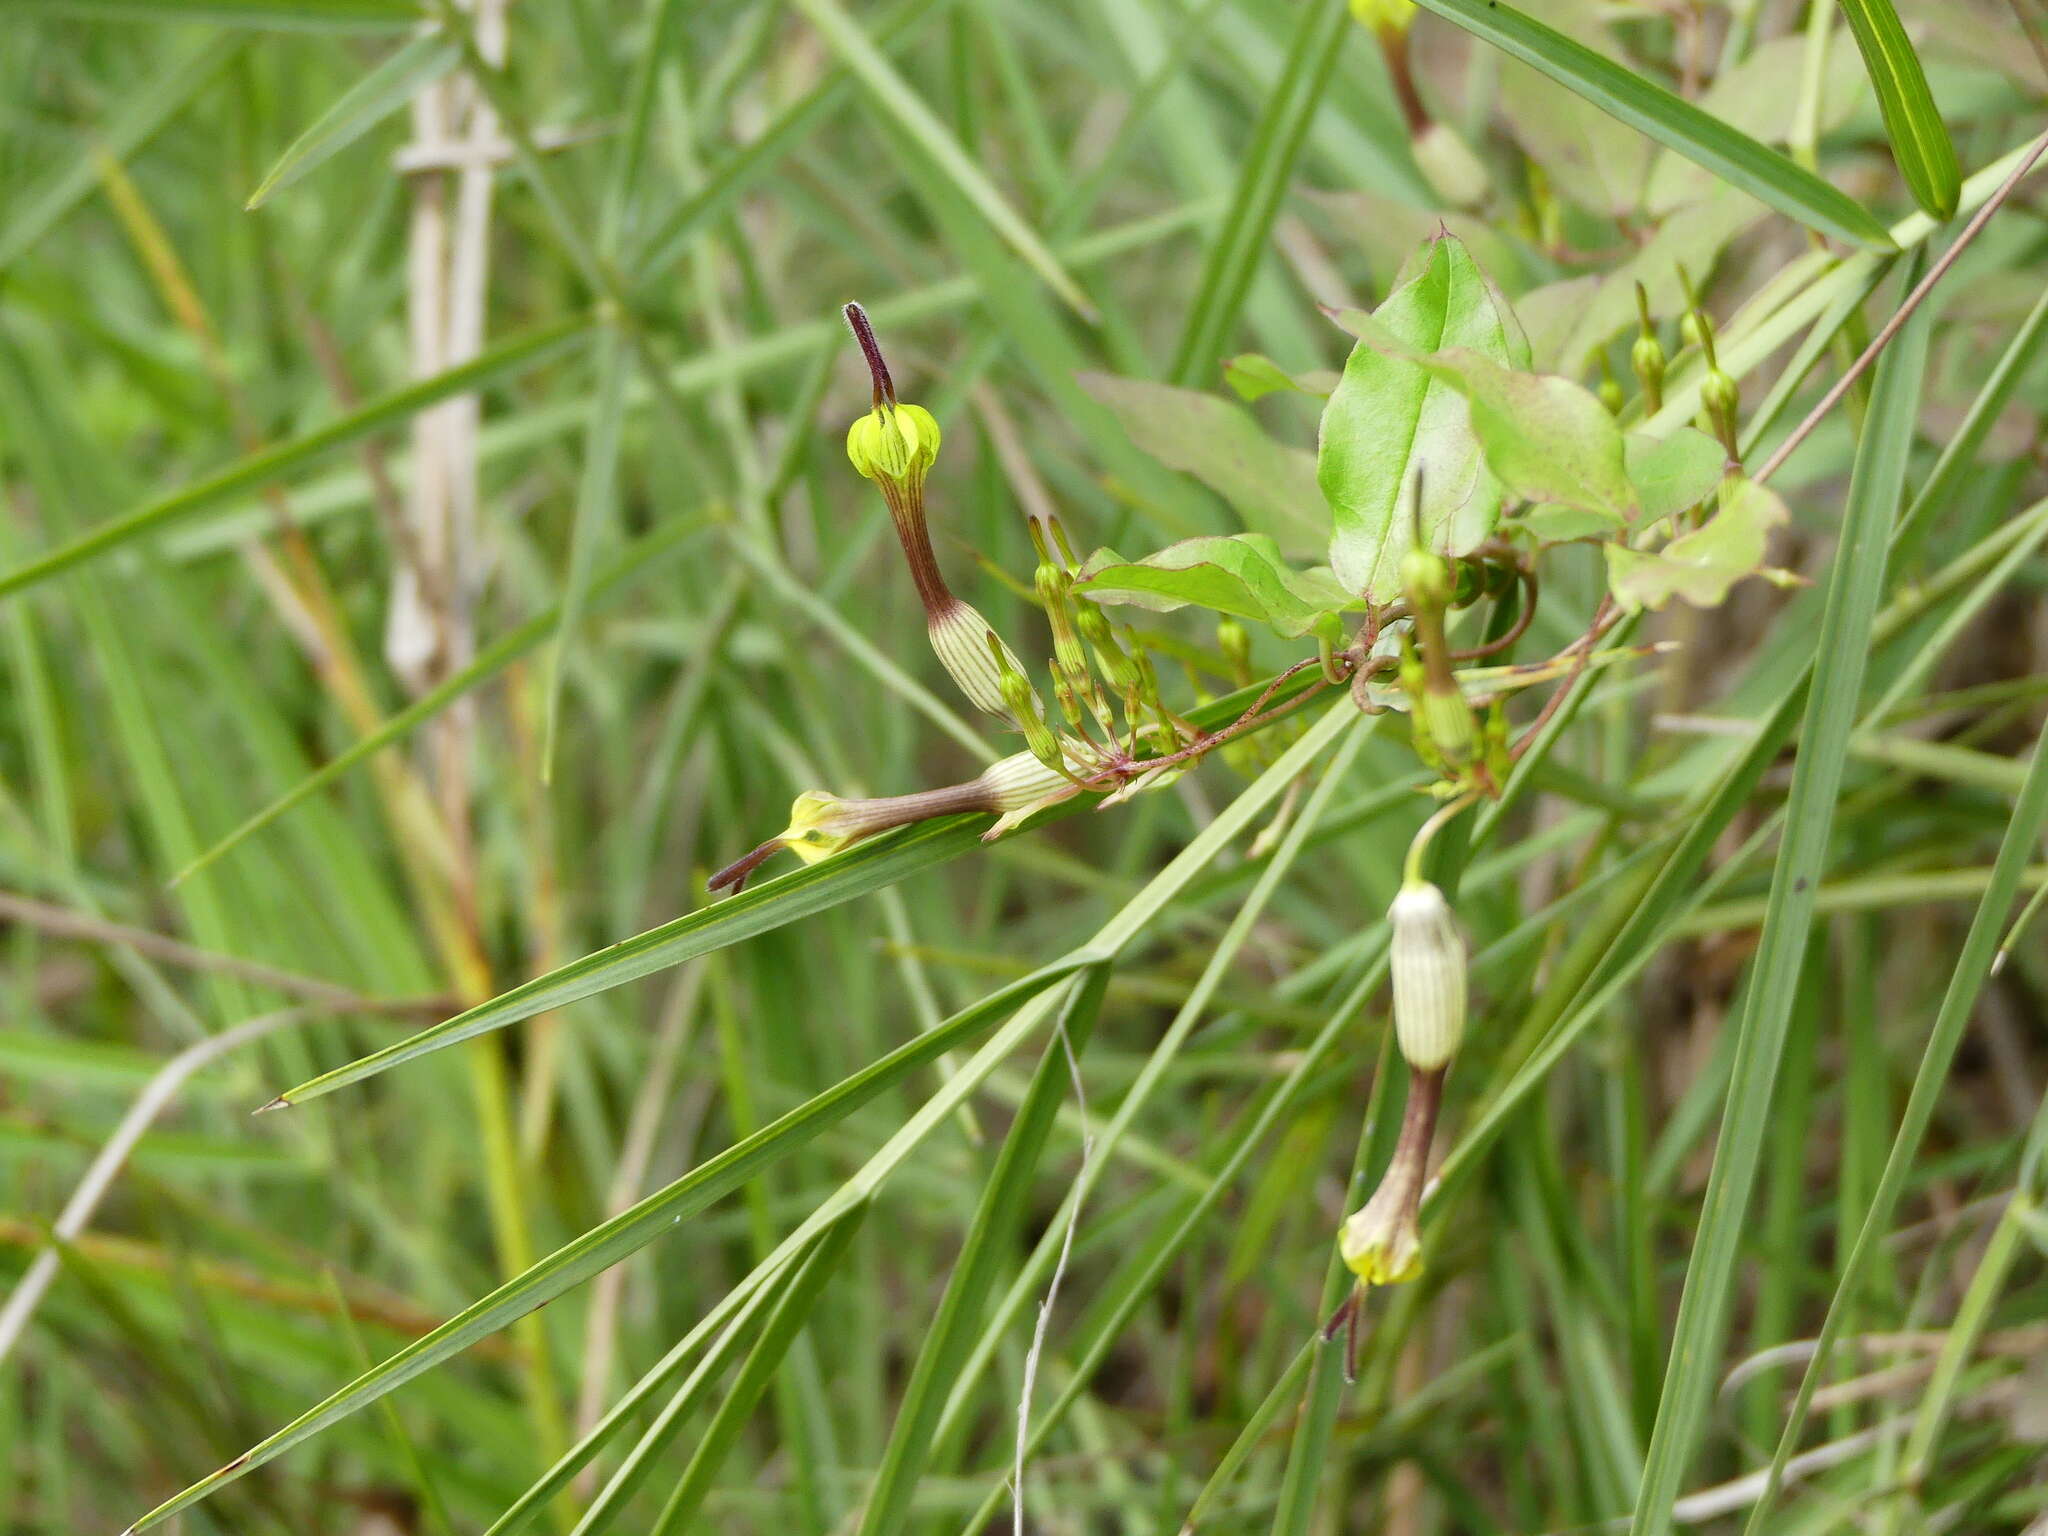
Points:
(906, 511)
(1522, 622)
(1904, 313)
(1604, 618)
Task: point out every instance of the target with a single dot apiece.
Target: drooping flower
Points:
(1381, 1242)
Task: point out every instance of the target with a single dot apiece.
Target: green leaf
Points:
(1673, 473)
(1242, 575)
(1702, 565)
(1668, 475)
(1592, 160)
(362, 107)
(1920, 141)
(1388, 417)
(1669, 119)
(1545, 438)
(1270, 485)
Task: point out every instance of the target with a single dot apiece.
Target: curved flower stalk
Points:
(821, 823)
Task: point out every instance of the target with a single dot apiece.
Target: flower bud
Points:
(972, 654)
(1428, 962)
(1117, 667)
(1384, 15)
(1646, 357)
(1453, 172)
(894, 443)
(1381, 1242)
(1610, 388)
(1427, 578)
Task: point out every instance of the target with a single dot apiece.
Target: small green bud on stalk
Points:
(1381, 1242)
(1646, 356)
(1429, 964)
(1118, 669)
(1610, 387)
(1721, 400)
(1021, 702)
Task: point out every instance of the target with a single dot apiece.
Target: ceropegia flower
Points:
(1428, 962)
(1381, 1242)
(822, 824)
(895, 445)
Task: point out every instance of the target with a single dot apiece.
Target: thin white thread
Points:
(1052, 1291)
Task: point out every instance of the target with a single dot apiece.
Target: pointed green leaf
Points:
(1673, 473)
(1254, 376)
(361, 107)
(1920, 141)
(1388, 417)
(1242, 575)
(1669, 119)
(1545, 437)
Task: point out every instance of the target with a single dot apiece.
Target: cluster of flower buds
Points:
(1099, 671)
(1467, 748)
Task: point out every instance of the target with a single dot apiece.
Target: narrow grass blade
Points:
(287, 15)
(997, 1218)
(894, 95)
(1245, 232)
(1671, 120)
(267, 464)
(792, 1310)
(1920, 141)
(626, 1233)
(865, 867)
(594, 511)
(1958, 1003)
(1841, 655)
(362, 107)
